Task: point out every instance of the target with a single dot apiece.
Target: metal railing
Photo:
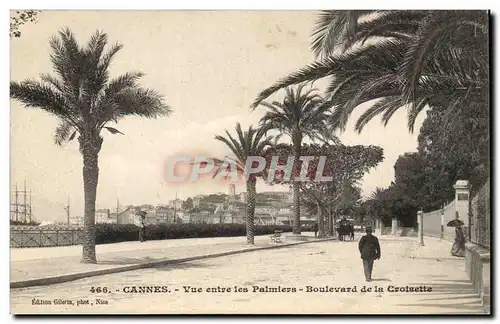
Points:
(480, 217)
(33, 236)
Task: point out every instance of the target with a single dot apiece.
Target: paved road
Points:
(293, 270)
(36, 263)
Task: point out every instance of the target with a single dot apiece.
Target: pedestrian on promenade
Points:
(369, 248)
(458, 248)
(142, 226)
(142, 229)
(315, 229)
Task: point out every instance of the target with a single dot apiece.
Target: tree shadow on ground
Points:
(437, 258)
(455, 281)
(473, 306)
(182, 266)
(127, 260)
(381, 279)
(443, 287)
(447, 288)
(452, 298)
(162, 263)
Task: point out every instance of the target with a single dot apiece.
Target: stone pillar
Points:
(394, 226)
(462, 193)
(420, 218)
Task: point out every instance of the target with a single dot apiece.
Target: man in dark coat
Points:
(315, 229)
(142, 227)
(369, 248)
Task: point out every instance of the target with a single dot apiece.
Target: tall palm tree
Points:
(420, 58)
(301, 114)
(85, 100)
(378, 203)
(252, 142)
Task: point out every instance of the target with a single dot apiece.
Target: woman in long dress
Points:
(458, 248)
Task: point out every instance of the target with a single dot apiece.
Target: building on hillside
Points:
(196, 201)
(127, 216)
(282, 196)
(175, 203)
(238, 217)
(199, 218)
(264, 219)
(103, 216)
(76, 221)
(176, 216)
(161, 213)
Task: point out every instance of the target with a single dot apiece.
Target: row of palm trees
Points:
(301, 114)
(412, 59)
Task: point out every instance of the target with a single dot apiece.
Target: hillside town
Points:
(272, 208)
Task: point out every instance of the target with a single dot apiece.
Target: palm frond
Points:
(385, 55)
(334, 29)
(65, 132)
(113, 130)
(81, 94)
(34, 94)
(140, 102)
(108, 57)
(387, 105)
(434, 35)
(52, 81)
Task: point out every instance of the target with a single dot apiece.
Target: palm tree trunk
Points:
(330, 222)
(296, 208)
(90, 151)
(251, 194)
(321, 221)
(296, 186)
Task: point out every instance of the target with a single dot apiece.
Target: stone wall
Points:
(478, 267)
(435, 222)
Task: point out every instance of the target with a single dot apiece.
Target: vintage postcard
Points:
(250, 162)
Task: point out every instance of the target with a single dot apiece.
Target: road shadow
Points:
(182, 266)
(436, 258)
(454, 280)
(451, 298)
(459, 293)
(473, 306)
(128, 261)
(447, 288)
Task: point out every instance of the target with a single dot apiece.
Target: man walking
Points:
(369, 248)
(142, 229)
(141, 223)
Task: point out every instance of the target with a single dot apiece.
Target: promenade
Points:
(37, 264)
(299, 279)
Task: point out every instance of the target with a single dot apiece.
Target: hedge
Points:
(114, 233)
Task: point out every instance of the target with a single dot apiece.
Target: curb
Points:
(145, 265)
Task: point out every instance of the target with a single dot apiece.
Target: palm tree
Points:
(420, 58)
(249, 143)
(378, 203)
(85, 100)
(301, 114)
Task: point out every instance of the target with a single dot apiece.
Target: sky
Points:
(209, 65)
